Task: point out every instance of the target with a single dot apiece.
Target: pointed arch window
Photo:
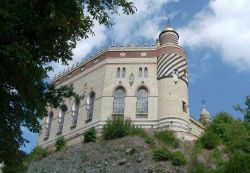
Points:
(142, 102)
(90, 106)
(48, 122)
(75, 112)
(145, 72)
(123, 72)
(119, 101)
(140, 73)
(61, 116)
(118, 72)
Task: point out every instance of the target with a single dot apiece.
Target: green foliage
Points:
(36, 154)
(90, 135)
(238, 163)
(217, 157)
(220, 123)
(197, 167)
(161, 154)
(237, 137)
(245, 110)
(167, 137)
(60, 143)
(33, 35)
(117, 128)
(209, 140)
(178, 159)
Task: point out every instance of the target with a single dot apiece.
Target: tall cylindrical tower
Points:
(173, 109)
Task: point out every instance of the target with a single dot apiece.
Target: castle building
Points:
(146, 84)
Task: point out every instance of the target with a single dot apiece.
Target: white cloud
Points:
(143, 26)
(83, 48)
(222, 26)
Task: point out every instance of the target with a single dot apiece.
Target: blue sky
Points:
(215, 35)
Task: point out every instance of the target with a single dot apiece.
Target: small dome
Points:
(204, 113)
(169, 29)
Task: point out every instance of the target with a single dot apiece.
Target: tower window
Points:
(142, 101)
(119, 101)
(140, 73)
(145, 72)
(184, 106)
(123, 72)
(118, 72)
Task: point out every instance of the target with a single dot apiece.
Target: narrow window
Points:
(140, 73)
(118, 105)
(184, 106)
(75, 111)
(48, 122)
(90, 106)
(60, 121)
(123, 72)
(118, 72)
(145, 72)
(142, 101)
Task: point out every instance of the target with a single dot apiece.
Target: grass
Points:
(167, 137)
(60, 143)
(90, 135)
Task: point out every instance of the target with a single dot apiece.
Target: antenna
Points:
(168, 23)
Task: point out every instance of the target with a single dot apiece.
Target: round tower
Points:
(173, 106)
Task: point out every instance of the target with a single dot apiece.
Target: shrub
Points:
(37, 153)
(162, 154)
(238, 163)
(167, 137)
(209, 140)
(117, 128)
(60, 143)
(197, 167)
(220, 124)
(178, 159)
(90, 135)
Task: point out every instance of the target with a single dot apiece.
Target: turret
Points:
(204, 116)
(173, 107)
(169, 36)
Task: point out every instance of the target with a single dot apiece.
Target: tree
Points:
(33, 34)
(246, 110)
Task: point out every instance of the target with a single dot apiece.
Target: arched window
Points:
(119, 103)
(90, 106)
(48, 122)
(142, 101)
(60, 121)
(140, 73)
(75, 111)
(123, 72)
(145, 72)
(118, 72)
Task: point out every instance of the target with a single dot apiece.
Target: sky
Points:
(214, 33)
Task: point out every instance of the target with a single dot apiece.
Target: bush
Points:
(178, 159)
(117, 128)
(162, 154)
(209, 140)
(90, 135)
(167, 137)
(197, 167)
(238, 163)
(36, 154)
(60, 143)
